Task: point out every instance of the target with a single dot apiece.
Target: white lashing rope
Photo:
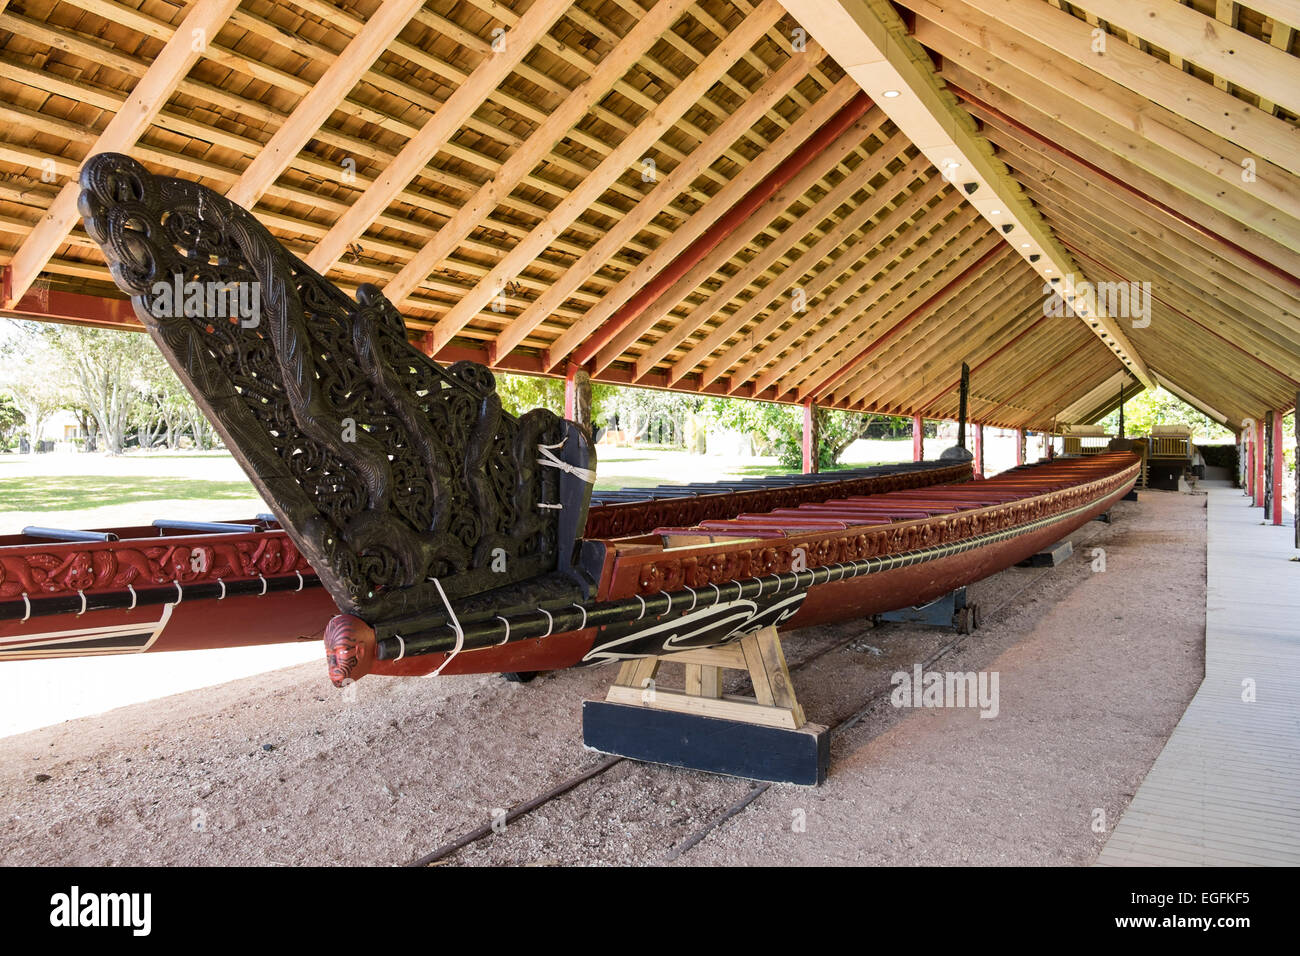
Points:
(551, 461)
(455, 623)
(584, 617)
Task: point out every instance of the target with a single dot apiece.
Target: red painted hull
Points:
(1058, 501)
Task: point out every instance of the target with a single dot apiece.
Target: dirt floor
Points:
(1094, 670)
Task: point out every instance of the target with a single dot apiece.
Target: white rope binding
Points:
(551, 461)
(584, 615)
(455, 623)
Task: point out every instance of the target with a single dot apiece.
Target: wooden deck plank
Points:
(1226, 788)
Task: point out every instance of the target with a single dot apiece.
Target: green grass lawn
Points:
(39, 488)
(80, 492)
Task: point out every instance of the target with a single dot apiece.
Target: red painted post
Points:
(1279, 465)
(809, 437)
(979, 451)
(918, 438)
(1020, 447)
(1258, 499)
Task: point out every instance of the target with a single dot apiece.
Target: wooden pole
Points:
(918, 438)
(1258, 482)
(979, 451)
(577, 397)
(1278, 466)
(1020, 447)
(810, 437)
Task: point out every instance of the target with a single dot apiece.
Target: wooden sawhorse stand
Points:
(764, 737)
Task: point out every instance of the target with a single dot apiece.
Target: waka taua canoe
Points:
(421, 529)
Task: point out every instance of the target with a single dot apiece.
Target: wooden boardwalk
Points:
(1226, 788)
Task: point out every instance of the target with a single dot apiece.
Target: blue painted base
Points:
(1049, 558)
(707, 743)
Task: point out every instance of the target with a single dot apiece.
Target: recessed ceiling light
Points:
(1047, 270)
(890, 94)
(996, 212)
(1024, 245)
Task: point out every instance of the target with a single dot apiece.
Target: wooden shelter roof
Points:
(716, 196)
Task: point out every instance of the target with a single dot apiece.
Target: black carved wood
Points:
(385, 468)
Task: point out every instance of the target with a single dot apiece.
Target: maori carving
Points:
(111, 567)
(734, 562)
(349, 649)
(386, 469)
(642, 517)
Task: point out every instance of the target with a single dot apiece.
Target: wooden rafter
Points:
(776, 87)
(326, 93)
(147, 98)
(512, 172)
(435, 133)
(870, 41)
(626, 154)
(1223, 51)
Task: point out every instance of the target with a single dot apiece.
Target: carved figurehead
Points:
(387, 470)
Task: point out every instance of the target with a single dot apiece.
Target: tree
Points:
(105, 368)
(11, 419)
(30, 374)
(1159, 407)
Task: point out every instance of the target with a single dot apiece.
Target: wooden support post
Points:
(1020, 446)
(979, 451)
(1257, 485)
(811, 437)
(577, 397)
(918, 438)
(763, 737)
(1277, 466)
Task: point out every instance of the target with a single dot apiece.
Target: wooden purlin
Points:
(1230, 118)
(1250, 322)
(1124, 123)
(1236, 57)
(880, 240)
(437, 131)
(475, 211)
(148, 96)
(792, 234)
(974, 318)
(873, 44)
(849, 270)
(805, 168)
(821, 112)
(885, 276)
(997, 109)
(802, 263)
(1166, 238)
(814, 374)
(624, 156)
(326, 93)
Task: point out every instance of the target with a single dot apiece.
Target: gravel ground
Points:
(280, 769)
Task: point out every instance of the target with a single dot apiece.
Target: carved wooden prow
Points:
(387, 470)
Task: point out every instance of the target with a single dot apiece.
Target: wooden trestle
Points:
(763, 736)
